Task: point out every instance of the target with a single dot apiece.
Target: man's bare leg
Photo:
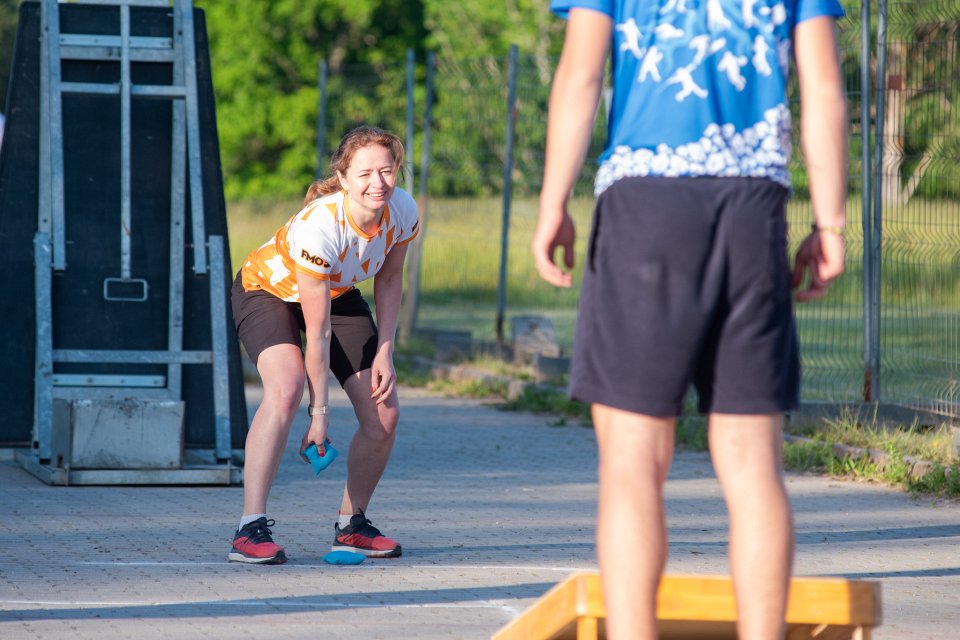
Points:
(748, 457)
(635, 455)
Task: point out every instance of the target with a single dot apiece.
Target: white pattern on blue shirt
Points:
(699, 86)
(760, 151)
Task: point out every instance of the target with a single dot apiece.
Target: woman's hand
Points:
(316, 434)
(383, 376)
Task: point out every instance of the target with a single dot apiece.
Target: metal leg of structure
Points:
(185, 10)
(43, 381)
(218, 337)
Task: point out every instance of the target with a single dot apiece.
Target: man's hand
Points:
(555, 230)
(821, 255)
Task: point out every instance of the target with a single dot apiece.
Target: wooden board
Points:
(703, 608)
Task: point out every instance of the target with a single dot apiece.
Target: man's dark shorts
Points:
(264, 320)
(687, 281)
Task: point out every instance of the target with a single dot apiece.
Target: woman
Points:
(354, 225)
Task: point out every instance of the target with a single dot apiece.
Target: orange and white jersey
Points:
(323, 241)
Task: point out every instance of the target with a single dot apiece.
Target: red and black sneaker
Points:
(360, 536)
(253, 544)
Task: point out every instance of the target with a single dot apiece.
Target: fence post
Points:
(411, 298)
(872, 382)
(321, 119)
(408, 169)
(507, 188)
(866, 195)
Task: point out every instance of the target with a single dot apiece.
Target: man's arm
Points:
(823, 136)
(573, 105)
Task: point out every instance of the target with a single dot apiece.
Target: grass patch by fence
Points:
(920, 292)
(462, 253)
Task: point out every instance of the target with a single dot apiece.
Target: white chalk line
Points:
(320, 604)
(487, 604)
(363, 566)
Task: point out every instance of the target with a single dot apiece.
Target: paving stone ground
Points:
(492, 507)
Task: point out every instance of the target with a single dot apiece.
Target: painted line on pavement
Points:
(492, 567)
(490, 604)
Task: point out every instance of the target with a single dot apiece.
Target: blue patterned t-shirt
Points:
(699, 86)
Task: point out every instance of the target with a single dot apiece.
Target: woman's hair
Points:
(356, 139)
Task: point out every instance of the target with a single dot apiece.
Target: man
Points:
(687, 279)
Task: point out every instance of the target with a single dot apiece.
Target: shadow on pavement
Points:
(273, 606)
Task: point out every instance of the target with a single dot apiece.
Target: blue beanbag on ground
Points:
(344, 557)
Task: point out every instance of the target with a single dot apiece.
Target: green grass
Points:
(820, 457)
(920, 360)
(691, 431)
(930, 443)
(463, 246)
(897, 443)
(551, 400)
(490, 389)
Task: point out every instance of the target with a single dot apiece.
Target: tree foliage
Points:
(265, 58)
(8, 31)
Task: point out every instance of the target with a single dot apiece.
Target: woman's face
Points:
(370, 178)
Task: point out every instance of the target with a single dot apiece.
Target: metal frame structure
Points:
(50, 241)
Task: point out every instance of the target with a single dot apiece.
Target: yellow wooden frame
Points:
(702, 607)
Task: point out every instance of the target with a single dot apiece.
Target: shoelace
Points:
(262, 532)
(365, 528)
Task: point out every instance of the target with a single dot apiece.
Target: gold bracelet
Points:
(838, 230)
(316, 411)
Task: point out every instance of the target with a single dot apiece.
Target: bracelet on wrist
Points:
(837, 230)
(316, 410)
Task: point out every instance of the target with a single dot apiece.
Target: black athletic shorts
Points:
(264, 320)
(686, 282)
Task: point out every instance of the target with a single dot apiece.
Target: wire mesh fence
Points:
(888, 331)
(916, 200)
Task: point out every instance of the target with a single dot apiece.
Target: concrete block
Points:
(550, 367)
(453, 348)
(532, 335)
(126, 433)
(515, 389)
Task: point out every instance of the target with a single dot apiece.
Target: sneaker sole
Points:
(236, 556)
(370, 553)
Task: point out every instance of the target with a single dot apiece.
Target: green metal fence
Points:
(888, 331)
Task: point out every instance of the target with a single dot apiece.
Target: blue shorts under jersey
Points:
(699, 86)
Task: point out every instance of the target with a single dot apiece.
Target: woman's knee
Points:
(284, 394)
(285, 400)
(378, 422)
(382, 425)
(281, 369)
(389, 418)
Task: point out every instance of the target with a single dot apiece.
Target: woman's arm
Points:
(315, 302)
(387, 292)
(573, 106)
